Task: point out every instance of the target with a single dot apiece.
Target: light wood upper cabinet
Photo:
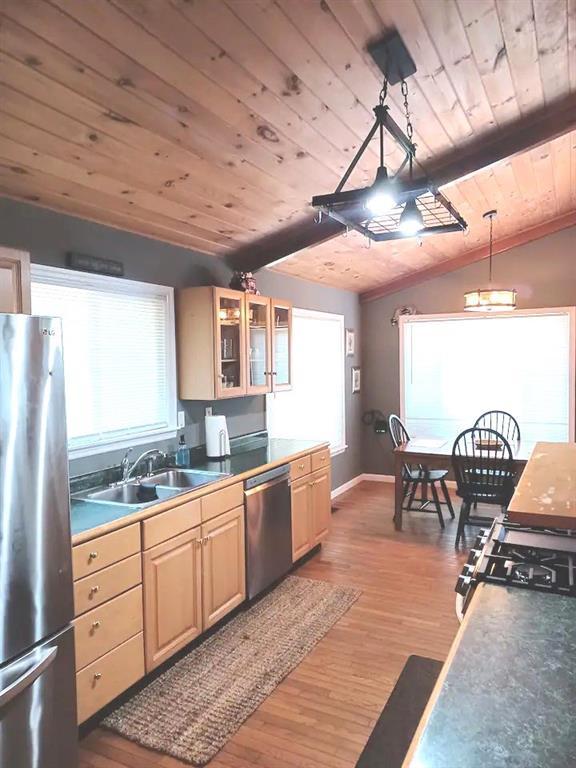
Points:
(258, 340)
(210, 338)
(14, 281)
(172, 596)
(223, 565)
(231, 344)
(281, 345)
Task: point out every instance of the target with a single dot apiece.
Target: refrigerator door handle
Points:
(25, 681)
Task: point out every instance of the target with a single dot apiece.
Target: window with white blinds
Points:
(456, 367)
(314, 409)
(119, 356)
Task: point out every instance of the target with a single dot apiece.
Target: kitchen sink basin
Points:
(151, 490)
(130, 494)
(182, 479)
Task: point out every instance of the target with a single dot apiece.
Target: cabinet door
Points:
(321, 505)
(258, 345)
(223, 565)
(281, 345)
(14, 281)
(172, 596)
(301, 528)
(230, 343)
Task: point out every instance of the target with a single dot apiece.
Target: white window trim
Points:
(317, 314)
(570, 311)
(62, 276)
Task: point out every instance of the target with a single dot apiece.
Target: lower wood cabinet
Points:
(301, 528)
(321, 505)
(223, 565)
(172, 596)
(109, 676)
(311, 510)
(190, 582)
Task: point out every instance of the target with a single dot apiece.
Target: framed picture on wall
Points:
(355, 380)
(350, 342)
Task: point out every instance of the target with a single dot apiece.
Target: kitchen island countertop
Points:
(90, 518)
(505, 697)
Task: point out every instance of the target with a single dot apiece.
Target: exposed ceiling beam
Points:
(284, 242)
(542, 126)
(500, 246)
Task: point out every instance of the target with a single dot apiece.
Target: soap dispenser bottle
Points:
(183, 453)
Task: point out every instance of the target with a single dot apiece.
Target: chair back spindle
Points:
(501, 422)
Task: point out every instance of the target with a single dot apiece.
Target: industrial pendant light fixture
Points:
(490, 299)
(393, 206)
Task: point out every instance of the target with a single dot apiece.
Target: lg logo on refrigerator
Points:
(48, 332)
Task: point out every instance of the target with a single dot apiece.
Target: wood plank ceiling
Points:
(211, 123)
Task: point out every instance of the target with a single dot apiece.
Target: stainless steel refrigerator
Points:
(37, 674)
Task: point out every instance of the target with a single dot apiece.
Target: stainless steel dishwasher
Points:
(268, 528)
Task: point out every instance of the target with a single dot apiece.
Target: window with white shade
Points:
(314, 409)
(455, 367)
(119, 356)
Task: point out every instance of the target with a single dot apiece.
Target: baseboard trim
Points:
(346, 486)
(377, 478)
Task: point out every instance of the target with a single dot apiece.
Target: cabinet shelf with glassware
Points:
(231, 344)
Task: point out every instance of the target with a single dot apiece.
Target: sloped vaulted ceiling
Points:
(211, 123)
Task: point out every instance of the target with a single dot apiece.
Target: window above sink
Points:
(119, 357)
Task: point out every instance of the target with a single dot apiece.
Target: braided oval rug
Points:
(192, 709)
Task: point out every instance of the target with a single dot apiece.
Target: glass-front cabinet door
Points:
(230, 343)
(281, 345)
(258, 315)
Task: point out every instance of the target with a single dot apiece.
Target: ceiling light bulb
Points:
(380, 202)
(411, 221)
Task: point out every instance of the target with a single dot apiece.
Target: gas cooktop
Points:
(510, 554)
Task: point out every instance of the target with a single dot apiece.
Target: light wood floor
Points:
(321, 715)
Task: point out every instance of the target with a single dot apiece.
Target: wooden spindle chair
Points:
(482, 474)
(417, 475)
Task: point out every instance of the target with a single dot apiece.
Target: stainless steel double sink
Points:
(150, 490)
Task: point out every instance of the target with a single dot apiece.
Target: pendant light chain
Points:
(409, 127)
(490, 256)
(383, 91)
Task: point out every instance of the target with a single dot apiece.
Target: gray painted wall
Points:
(544, 274)
(48, 236)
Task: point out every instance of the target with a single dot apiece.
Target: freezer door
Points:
(35, 544)
(38, 707)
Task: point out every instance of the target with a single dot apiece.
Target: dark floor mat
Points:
(392, 734)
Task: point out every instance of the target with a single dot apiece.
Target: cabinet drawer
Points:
(99, 587)
(321, 459)
(300, 467)
(216, 503)
(171, 523)
(110, 676)
(105, 550)
(105, 627)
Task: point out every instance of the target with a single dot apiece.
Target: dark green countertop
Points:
(509, 696)
(86, 515)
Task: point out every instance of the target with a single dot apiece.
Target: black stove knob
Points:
(473, 556)
(463, 584)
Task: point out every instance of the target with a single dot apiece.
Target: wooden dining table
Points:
(436, 453)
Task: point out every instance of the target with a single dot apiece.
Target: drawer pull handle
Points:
(96, 624)
(97, 675)
(93, 555)
(94, 590)
(322, 458)
(300, 466)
